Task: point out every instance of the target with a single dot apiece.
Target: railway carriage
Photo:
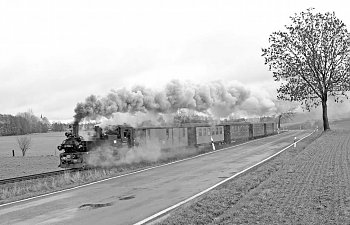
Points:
(207, 134)
(259, 129)
(270, 128)
(240, 131)
(166, 137)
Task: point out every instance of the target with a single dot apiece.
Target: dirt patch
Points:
(95, 206)
(127, 197)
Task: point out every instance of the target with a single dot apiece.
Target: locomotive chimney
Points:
(75, 130)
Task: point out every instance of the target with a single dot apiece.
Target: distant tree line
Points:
(58, 126)
(26, 123)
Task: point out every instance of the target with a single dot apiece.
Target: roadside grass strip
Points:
(207, 205)
(33, 189)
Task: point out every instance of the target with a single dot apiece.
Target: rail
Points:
(36, 176)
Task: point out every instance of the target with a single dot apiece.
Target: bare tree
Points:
(284, 117)
(24, 143)
(286, 111)
(312, 59)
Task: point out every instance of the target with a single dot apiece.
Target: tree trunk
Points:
(325, 116)
(279, 121)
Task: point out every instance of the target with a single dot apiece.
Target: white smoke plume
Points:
(137, 119)
(217, 99)
(107, 156)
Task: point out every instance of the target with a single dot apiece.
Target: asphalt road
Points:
(129, 199)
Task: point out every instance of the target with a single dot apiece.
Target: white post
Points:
(295, 142)
(212, 142)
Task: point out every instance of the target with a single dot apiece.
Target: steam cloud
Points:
(106, 156)
(215, 98)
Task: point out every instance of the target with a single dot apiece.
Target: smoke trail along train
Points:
(216, 98)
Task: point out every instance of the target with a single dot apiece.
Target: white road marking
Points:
(128, 174)
(148, 219)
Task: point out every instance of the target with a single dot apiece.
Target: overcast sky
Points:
(54, 54)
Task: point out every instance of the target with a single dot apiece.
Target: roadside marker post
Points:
(212, 142)
(295, 142)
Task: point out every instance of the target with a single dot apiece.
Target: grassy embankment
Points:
(25, 189)
(23, 166)
(300, 186)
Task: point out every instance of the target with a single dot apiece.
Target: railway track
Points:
(36, 176)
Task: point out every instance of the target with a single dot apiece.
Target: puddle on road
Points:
(95, 206)
(126, 197)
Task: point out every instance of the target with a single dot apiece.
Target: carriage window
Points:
(200, 131)
(149, 132)
(204, 131)
(220, 129)
(183, 132)
(209, 132)
(212, 131)
(167, 133)
(217, 131)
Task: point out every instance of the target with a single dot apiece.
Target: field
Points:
(42, 157)
(22, 166)
(309, 184)
(42, 144)
(341, 124)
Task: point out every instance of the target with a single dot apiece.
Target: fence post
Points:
(13, 153)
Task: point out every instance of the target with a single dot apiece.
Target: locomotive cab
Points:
(121, 135)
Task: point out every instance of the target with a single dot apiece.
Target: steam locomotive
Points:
(77, 150)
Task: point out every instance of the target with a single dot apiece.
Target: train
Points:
(77, 150)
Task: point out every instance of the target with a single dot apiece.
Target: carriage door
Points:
(128, 136)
